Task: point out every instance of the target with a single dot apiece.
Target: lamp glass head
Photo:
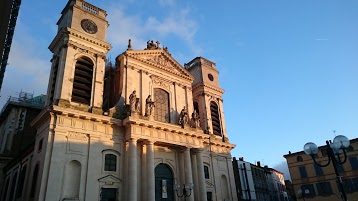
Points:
(310, 148)
(342, 141)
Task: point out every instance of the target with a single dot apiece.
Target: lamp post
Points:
(303, 194)
(187, 188)
(340, 143)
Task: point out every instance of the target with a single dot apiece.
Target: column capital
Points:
(198, 150)
(132, 139)
(149, 142)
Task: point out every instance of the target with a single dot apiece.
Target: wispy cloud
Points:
(177, 22)
(29, 66)
(321, 39)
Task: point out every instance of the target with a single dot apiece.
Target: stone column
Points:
(150, 188)
(132, 170)
(188, 172)
(201, 175)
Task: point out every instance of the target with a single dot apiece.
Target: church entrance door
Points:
(164, 182)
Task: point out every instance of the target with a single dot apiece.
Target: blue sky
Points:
(288, 67)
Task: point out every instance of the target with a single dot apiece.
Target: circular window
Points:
(211, 77)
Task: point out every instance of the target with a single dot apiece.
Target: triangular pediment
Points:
(161, 59)
(110, 179)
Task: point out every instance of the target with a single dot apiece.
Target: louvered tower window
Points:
(53, 84)
(215, 118)
(161, 110)
(82, 82)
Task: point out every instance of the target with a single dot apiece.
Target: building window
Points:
(324, 188)
(40, 145)
(13, 185)
(34, 181)
(20, 187)
(4, 192)
(310, 188)
(354, 162)
(161, 99)
(209, 196)
(82, 81)
(110, 162)
(318, 169)
(206, 172)
(196, 107)
(215, 118)
(340, 168)
(347, 185)
(109, 194)
(303, 172)
(299, 159)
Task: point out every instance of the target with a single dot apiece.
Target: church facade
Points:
(145, 128)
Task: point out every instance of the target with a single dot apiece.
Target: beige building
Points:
(321, 181)
(163, 124)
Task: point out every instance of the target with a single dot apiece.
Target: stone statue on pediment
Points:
(133, 102)
(183, 117)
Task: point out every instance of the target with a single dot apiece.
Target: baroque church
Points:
(142, 129)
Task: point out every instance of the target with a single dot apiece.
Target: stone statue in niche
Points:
(183, 117)
(137, 106)
(195, 119)
(149, 106)
(133, 102)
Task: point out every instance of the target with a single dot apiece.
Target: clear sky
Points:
(288, 67)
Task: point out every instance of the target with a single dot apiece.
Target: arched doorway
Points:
(164, 183)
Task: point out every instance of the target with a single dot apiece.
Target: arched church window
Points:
(196, 107)
(206, 172)
(20, 185)
(34, 181)
(299, 159)
(110, 162)
(82, 82)
(13, 185)
(215, 118)
(4, 192)
(161, 100)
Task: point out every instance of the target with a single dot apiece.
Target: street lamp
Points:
(187, 188)
(340, 143)
(303, 194)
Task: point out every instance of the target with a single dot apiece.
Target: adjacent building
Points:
(321, 182)
(9, 10)
(16, 134)
(258, 183)
(143, 129)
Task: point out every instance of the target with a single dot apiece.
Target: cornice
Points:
(44, 114)
(71, 32)
(203, 85)
(177, 129)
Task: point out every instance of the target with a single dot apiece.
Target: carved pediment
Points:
(109, 179)
(162, 60)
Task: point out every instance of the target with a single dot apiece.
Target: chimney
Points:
(241, 159)
(259, 163)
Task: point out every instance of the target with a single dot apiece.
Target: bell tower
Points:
(79, 56)
(207, 95)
